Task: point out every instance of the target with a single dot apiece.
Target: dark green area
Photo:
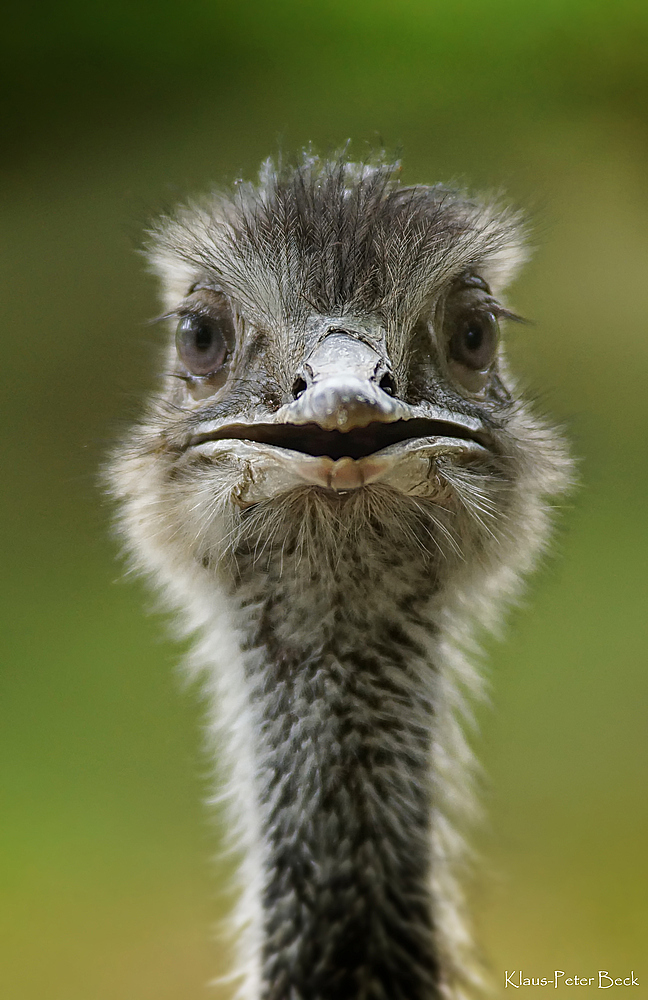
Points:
(112, 112)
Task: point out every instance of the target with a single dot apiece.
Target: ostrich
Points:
(336, 483)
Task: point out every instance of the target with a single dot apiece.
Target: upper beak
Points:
(340, 387)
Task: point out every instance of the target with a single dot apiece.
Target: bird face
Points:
(336, 347)
(339, 411)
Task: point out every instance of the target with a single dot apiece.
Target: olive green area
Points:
(109, 887)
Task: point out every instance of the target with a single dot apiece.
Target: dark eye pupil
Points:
(474, 337)
(203, 336)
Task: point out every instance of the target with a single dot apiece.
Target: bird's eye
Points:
(474, 342)
(203, 342)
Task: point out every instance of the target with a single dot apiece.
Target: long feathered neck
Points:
(338, 652)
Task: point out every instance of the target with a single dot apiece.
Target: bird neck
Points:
(341, 691)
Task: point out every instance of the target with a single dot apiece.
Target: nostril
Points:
(299, 387)
(388, 384)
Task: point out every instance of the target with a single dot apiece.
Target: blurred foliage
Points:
(111, 111)
(586, 47)
(73, 59)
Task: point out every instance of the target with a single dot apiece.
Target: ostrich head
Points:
(337, 480)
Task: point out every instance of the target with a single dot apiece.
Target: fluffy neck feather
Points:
(346, 711)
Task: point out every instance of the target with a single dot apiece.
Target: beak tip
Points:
(343, 403)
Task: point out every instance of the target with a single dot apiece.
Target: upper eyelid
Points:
(197, 308)
(178, 313)
(486, 303)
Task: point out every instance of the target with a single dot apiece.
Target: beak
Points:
(339, 387)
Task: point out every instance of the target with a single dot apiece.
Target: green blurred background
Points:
(110, 113)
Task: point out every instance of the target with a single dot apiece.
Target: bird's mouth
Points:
(357, 443)
(282, 455)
